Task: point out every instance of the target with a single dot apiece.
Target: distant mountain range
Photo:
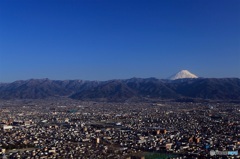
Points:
(124, 90)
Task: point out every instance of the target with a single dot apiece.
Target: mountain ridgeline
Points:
(123, 90)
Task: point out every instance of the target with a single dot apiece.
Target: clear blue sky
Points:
(118, 39)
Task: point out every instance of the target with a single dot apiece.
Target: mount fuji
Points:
(183, 74)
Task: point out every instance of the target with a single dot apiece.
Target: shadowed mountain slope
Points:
(120, 90)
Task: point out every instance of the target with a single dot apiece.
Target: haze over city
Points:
(102, 40)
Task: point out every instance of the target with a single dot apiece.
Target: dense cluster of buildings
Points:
(73, 129)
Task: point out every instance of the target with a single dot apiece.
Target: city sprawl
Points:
(65, 128)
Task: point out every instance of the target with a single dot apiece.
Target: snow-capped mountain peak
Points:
(182, 74)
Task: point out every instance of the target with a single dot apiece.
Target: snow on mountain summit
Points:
(182, 74)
